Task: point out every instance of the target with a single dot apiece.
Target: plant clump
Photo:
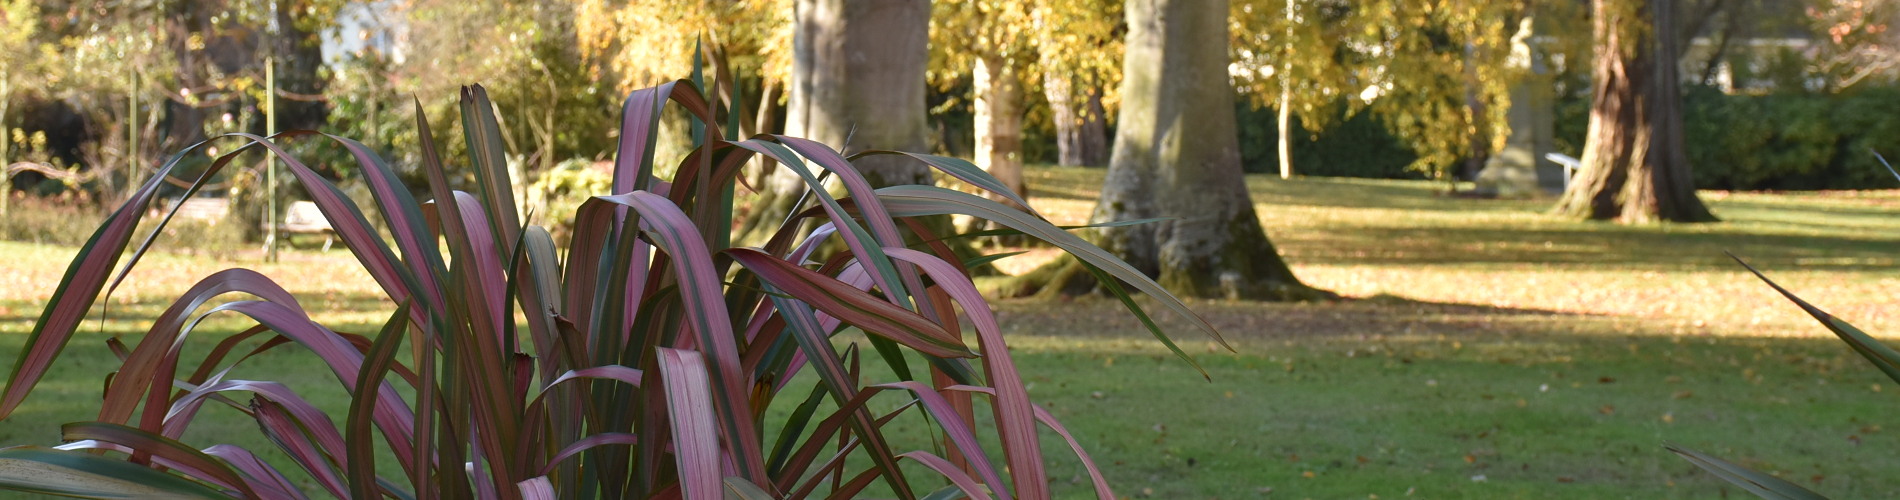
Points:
(645, 354)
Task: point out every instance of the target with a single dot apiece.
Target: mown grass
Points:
(1487, 351)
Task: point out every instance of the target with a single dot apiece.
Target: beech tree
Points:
(1634, 165)
(994, 42)
(857, 82)
(1008, 48)
(1078, 44)
(1177, 156)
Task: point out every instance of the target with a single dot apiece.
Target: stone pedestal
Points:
(1520, 170)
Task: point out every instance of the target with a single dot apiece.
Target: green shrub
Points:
(558, 192)
(1355, 146)
(68, 222)
(49, 220)
(642, 365)
(1793, 141)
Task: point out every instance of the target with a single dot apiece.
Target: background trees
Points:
(106, 86)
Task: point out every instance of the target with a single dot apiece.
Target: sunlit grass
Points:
(1488, 351)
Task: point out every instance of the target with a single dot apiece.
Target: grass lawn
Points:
(1486, 351)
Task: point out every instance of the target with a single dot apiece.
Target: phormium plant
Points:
(642, 367)
(1766, 485)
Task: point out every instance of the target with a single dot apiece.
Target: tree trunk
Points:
(1634, 165)
(1177, 155)
(999, 123)
(300, 103)
(185, 121)
(857, 83)
(1081, 129)
(1478, 136)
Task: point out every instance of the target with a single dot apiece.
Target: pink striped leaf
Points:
(588, 443)
(183, 458)
(1102, 491)
(1015, 417)
(702, 294)
(292, 437)
(950, 471)
(854, 306)
(264, 477)
(965, 440)
(694, 425)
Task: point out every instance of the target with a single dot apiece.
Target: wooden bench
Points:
(303, 217)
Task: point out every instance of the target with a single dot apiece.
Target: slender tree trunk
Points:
(1177, 155)
(6, 139)
(1479, 135)
(1081, 130)
(1285, 118)
(1730, 25)
(857, 83)
(1634, 165)
(186, 121)
(1093, 140)
(999, 123)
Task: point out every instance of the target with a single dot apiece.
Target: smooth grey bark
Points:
(1635, 168)
(1177, 155)
(999, 122)
(857, 84)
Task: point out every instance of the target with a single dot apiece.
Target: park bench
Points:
(303, 217)
(202, 208)
(1570, 164)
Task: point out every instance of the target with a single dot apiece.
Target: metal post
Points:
(270, 159)
(132, 132)
(1286, 98)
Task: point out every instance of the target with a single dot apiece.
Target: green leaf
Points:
(913, 200)
(1762, 485)
(1883, 357)
(485, 151)
(49, 471)
(361, 447)
(695, 429)
(745, 490)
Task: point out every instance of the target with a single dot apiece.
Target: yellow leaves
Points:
(645, 40)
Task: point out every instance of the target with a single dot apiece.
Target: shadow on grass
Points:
(1593, 247)
(1243, 322)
